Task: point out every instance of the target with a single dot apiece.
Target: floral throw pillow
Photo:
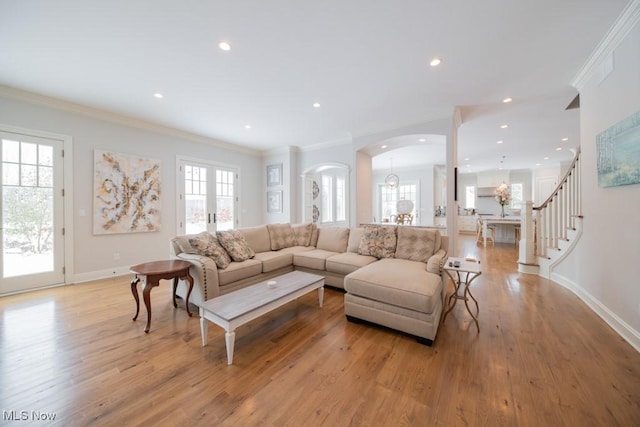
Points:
(236, 245)
(378, 241)
(207, 245)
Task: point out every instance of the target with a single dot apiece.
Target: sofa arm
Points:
(205, 277)
(436, 262)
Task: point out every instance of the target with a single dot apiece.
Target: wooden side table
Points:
(470, 270)
(150, 273)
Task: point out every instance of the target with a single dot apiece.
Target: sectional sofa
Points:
(392, 275)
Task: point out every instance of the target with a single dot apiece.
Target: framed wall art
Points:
(274, 201)
(618, 153)
(274, 175)
(126, 193)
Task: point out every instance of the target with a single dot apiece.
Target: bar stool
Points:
(490, 230)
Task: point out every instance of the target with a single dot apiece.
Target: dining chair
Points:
(481, 229)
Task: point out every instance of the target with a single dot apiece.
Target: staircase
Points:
(551, 230)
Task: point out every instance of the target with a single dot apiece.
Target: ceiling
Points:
(365, 62)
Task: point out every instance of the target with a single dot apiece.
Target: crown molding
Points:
(281, 150)
(96, 113)
(623, 25)
(327, 144)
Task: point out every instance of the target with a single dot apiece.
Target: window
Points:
(389, 198)
(470, 197)
(517, 190)
(341, 199)
(327, 198)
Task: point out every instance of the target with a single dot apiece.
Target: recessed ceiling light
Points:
(316, 105)
(499, 142)
(537, 164)
(546, 158)
(158, 95)
(224, 46)
(500, 168)
(468, 166)
(564, 139)
(435, 62)
(504, 126)
(506, 100)
(383, 146)
(422, 140)
(247, 126)
(559, 149)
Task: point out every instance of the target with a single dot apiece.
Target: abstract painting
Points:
(618, 152)
(126, 193)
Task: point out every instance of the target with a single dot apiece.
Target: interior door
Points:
(31, 212)
(208, 194)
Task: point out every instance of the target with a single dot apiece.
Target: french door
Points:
(31, 212)
(208, 197)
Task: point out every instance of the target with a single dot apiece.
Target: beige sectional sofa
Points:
(391, 274)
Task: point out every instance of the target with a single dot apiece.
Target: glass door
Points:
(209, 197)
(31, 212)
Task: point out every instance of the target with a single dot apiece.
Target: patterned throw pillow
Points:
(417, 244)
(302, 233)
(378, 241)
(281, 236)
(236, 245)
(207, 245)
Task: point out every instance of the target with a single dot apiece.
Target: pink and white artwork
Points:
(126, 193)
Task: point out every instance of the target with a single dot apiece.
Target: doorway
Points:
(31, 212)
(208, 195)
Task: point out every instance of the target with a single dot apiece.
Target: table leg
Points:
(204, 327)
(190, 280)
(146, 293)
(456, 286)
(175, 286)
(321, 295)
(134, 291)
(466, 303)
(230, 338)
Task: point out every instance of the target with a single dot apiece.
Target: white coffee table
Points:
(239, 307)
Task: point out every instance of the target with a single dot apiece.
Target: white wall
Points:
(602, 269)
(93, 255)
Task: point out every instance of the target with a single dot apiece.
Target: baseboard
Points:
(620, 326)
(98, 275)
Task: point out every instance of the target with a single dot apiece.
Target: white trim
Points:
(623, 25)
(620, 326)
(102, 274)
(109, 116)
(327, 144)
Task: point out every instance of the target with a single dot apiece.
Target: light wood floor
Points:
(541, 358)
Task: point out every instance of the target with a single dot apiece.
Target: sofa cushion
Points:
(347, 262)
(302, 234)
(297, 249)
(333, 239)
(399, 282)
(314, 235)
(182, 245)
(235, 244)
(315, 259)
(274, 260)
(417, 244)
(378, 241)
(281, 236)
(355, 235)
(257, 238)
(206, 244)
(239, 270)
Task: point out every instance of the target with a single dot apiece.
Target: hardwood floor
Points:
(541, 358)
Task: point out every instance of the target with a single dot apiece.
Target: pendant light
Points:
(392, 180)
